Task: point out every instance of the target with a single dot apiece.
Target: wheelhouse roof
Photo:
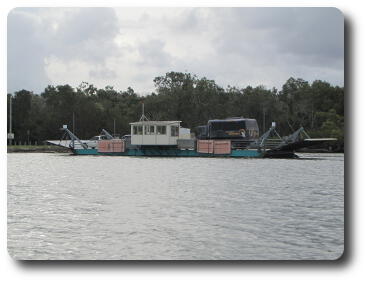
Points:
(163, 123)
(231, 120)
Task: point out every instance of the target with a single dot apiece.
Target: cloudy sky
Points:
(126, 47)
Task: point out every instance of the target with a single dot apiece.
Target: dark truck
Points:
(230, 128)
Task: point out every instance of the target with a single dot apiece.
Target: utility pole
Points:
(73, 123)
(10, 125)
(263, 119)
(10, 137)
(114, 127)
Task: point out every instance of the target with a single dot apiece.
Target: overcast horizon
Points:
(129, 47)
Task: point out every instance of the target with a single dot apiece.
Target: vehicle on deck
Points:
(93, 142)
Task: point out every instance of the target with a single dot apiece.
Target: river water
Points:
(62, 206)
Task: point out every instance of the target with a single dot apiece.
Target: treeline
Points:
(318, 107)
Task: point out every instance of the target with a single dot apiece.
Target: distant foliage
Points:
(318, 107)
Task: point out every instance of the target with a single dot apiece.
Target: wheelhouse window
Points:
(149, 130)
(174, 131)
(137, 130)
(161, 130)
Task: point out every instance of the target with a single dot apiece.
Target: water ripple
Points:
(92, 207)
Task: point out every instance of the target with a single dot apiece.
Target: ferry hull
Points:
(170, 153)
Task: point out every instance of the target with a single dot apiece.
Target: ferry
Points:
(235, 137)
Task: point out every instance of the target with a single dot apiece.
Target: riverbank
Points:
(36, 148)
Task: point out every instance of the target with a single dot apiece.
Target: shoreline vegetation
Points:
(37, 149)
(316, 106)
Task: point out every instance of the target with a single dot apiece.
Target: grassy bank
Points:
(36, 148)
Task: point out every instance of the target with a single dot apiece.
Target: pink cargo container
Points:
(222, 147)
(111, 146)
(205, 146)
(103, 146)
(214, 146)
(118, 145)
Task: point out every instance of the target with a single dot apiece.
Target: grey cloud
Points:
(308, 42)
(25, 53)
(152, 53)
(89, 24)
(243, 45)
(269, 32)
(103, 74)
(188, 20)
(85, 34)
(316, 31)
